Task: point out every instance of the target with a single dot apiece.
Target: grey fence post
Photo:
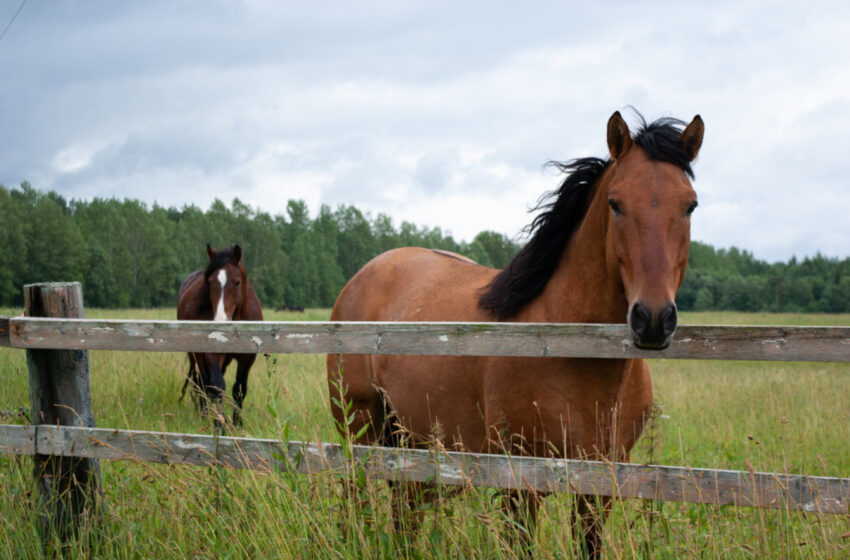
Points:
(60, 394)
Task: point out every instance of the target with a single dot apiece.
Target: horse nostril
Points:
(639, 317)
(668, 319)
(652, 330)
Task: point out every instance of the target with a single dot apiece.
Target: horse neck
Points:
(585, 287)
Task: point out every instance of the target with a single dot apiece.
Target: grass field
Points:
(786, 417)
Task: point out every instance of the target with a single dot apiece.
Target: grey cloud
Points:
(380, 104)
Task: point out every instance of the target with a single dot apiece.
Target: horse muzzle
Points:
(652, 329)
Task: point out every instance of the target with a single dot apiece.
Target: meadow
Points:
(762, 416)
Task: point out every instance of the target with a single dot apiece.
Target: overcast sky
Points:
(440, 113)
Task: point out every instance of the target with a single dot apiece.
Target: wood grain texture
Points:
(626, 480)
(817, 344)
(17, 440)
(60, 394)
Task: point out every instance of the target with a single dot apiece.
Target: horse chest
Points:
(565, 404)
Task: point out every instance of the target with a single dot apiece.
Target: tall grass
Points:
(782, 417)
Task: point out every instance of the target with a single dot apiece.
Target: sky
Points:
(442, 113)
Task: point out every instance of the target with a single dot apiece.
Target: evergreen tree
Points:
(498, 246)
(13, 239)
(356, 243)
(56, 249)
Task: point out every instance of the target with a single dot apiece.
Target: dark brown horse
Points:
(221, 292)
(610, 245)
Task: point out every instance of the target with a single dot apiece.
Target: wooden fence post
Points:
(60, 393)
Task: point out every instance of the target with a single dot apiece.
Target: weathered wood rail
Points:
(625, 480)
(816, 344)
(67, 443)
(821, 494)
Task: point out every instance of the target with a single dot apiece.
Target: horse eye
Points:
(691, 207)
(615, 207)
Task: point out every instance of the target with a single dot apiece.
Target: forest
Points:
(129, 255)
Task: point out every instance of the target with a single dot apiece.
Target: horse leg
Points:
(201, 382)
(588, 518)
(213, 384)
(193, 381)
(357, 405)
(240, 386)
(521, 508)
(358, 413)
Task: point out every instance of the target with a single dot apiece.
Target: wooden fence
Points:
(74, 437)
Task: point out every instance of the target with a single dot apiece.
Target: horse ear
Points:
(210, 251)
(619, 137)
(236, 253)
(692, 137)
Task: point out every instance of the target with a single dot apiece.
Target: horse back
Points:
(414, 284)
(193, 298)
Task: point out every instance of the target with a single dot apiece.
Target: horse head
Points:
(650, 201)
(225, 276)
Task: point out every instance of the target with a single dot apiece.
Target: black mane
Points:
(220, 259)
(563, 210)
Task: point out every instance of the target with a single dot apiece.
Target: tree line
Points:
(734, 280)
(129, 255)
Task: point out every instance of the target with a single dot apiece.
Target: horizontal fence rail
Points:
(625, 480)
(67, 450)
(774, 343)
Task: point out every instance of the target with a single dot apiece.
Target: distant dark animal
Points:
(297, 308)
(610, 245)
(220, 292)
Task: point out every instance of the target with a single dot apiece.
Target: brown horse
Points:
(610, 245)
(221, 292)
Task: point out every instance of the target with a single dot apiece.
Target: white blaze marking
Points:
(220, 315)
